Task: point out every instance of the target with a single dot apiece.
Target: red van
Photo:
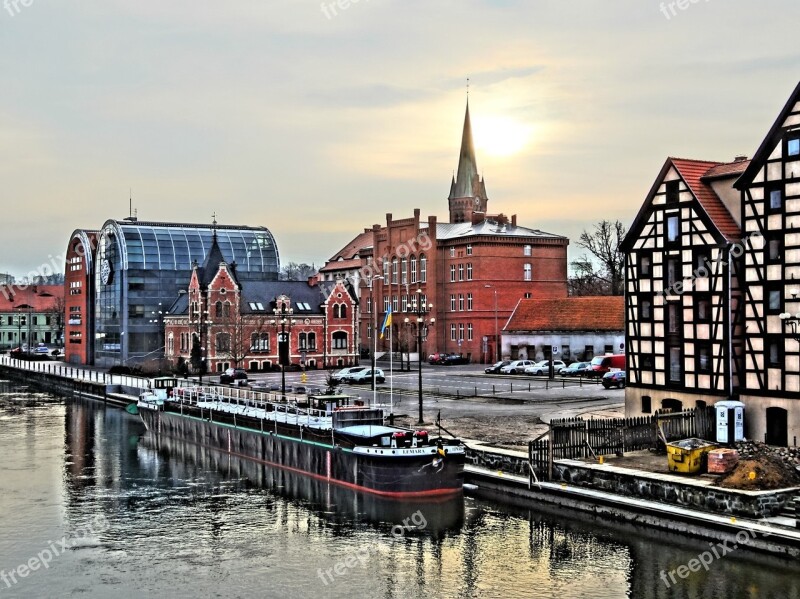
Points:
(602, 364)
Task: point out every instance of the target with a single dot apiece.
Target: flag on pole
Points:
(387, 321)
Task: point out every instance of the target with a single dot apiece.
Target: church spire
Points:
(467, 191)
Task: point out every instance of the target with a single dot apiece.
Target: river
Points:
(91, 506)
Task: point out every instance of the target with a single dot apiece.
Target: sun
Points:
(501, 136)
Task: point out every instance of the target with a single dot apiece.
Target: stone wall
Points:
(651, 486)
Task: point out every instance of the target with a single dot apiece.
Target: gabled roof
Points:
(602, 313)
(769, 142)
(694, 174)
(212, 264)
(447, 231)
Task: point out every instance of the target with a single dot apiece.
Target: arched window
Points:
(218, 309)
(413, 269)
(340, 340)
(254, 342)
(394, 271)
(343, 311)
(226, 309)
(301, 341)
(171, 344)
(423, 269)
(312, 341)
(404, 271)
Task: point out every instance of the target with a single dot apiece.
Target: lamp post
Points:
(792, 321)
(496, 337)
(202, 325)
(420, 310)
(284, 320)
(374, 325)
(19, 333)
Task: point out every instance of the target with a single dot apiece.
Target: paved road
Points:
(466, 391)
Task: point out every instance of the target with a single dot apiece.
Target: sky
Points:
(316, 120)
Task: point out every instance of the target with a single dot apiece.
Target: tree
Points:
(604, 270)
(196, 356)
(57, 315)
(297, 272)
(240, 330)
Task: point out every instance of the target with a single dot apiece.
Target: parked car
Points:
(495, 368)
(543, 367)
(232, 375)
(365, 376)
(516, 367)
(341, 375)
(437, 358)
(614, 379)
(602, 364)
(41, 349)
(575, 369)
(455, 359)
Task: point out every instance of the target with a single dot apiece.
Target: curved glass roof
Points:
(174, 246)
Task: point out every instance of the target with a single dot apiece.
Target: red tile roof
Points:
(359, 243)
(38, 298)
(693, 172)
(729, 169)
(606, 313)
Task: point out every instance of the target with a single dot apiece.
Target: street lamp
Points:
(792, 321)
(162, 334)
(496, 338)
(202, 327)
(283, 318)
(419, 309)
(374, 324)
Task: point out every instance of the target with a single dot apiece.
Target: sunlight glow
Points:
(500, 136)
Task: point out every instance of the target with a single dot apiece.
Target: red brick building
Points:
(235, 324)
(473, 269)
(79, 297)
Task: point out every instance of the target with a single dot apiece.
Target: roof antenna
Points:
(214, 225)
(130, 202)
(467, 90)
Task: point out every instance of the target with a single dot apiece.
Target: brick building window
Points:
(452, 332)
(394, 304)
(452, 252)
(469, 249)
(469, 332)
(413, 269)
(452, 302)
(461, 331)
(386, 303)
(460, 302)
(423, 269)
(469, 302)
(452, 273)
(460, 272)
(340, 340)
(404, 303)
(469, 271)
(385, 272)
(223, 342)
(527, 272)
(394, 271)
(404, 272)
(526, 250)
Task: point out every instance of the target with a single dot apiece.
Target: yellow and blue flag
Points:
(387, 321)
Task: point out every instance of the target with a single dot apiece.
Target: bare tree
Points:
(297, 272)
(240, 329)
(57, 315)
(603, 245)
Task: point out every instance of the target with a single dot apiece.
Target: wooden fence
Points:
(576, 438)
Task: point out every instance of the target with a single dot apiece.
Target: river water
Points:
(90, 507)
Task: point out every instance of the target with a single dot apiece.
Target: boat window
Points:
(386, 441)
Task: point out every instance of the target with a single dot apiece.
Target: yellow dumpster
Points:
(688, 456)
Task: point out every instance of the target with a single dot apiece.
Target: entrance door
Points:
(777, 427)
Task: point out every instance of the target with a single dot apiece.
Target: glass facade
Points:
(140, 269)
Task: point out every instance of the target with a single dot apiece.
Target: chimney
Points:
(740, 158)
(513, 220)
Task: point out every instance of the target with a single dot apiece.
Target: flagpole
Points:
(391, 379)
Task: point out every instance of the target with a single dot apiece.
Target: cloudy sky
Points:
(316, 120)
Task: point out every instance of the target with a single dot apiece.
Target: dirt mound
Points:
(761, 473)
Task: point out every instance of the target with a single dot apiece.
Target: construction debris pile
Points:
(763, 467)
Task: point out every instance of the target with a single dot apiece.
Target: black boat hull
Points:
(409, 476)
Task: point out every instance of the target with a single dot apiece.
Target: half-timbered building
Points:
(681, 290)
(713, 286)
(770, 191)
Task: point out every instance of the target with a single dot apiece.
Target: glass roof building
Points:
(142, 266)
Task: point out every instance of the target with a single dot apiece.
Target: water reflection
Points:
(186, 522)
